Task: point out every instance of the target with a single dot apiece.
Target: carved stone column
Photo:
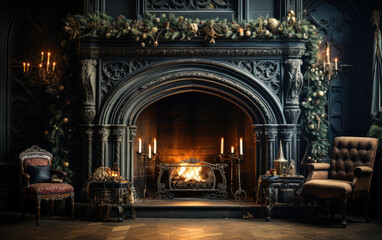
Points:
(88, 136)
(132, 130)
(293, 80)
(103, 135)
(88, 83)
(287, 133)
(270, 134)
(117, 133)
(258, 135)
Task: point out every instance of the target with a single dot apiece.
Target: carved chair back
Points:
(349, 153)
(34, 156)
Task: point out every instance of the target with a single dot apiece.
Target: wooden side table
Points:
(107, 195)
(279, 191)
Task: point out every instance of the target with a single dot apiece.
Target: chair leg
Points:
(52, 208)
(344, 208)
(38, 209)
(366, 208)
(72, 204)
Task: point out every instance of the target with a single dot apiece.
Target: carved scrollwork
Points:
(132, 132)
(294, 80)
(88, 133)
(116, 71)
(287, 132)
(188, 5)
(270, 133)
(88, 114)
(118, 133)
(292, 114)
(267, 71)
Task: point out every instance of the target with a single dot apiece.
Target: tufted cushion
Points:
(48, 188)
(327, 188)
(349, 153)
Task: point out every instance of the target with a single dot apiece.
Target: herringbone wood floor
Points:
(12, 227)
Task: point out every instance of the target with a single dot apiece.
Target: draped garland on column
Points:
(153, 28)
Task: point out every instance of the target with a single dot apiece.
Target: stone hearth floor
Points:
(12, 227)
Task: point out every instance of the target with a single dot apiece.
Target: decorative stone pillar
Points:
(88, 83)
(287, 133)
(88, 136)
(117, 133)
(103, 135)
(258, 135)
(294, 80)
(132, 130)
(270, 134)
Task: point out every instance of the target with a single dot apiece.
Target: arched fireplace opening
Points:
(190, 125)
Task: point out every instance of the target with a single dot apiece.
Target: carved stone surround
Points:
(120, 79)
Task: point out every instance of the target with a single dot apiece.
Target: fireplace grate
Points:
(192, 175)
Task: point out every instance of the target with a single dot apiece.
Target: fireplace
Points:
(188, 96)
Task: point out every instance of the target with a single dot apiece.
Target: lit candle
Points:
(335, 63)
(28, 64)
(149, 151)
(54, 65)
(140, 145)
(241, 146)
(24, 64)
(155, 146)
(232, 149)
(328, 54)
(40, 65)
(222, 146)
(48, 58)
(42, 56)
(47, 66)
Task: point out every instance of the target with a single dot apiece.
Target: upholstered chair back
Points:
(35, 156)
(349, 153)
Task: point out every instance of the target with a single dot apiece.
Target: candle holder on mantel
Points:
(146, 160)
(238, 159)
(330, 68)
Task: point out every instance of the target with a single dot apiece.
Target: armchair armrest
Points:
(318, 171)
(361, 181)
(26, 177)
(60, 172)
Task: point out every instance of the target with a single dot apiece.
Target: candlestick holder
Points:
(145, 160)
(42, 73)
(232, 158)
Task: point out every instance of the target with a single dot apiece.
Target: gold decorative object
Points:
(248, 33)
(273, 23)
(280, 162)
(193, 28)
(291, 18)
(65, 164)
(241, 32)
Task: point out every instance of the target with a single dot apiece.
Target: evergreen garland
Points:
(153, 28)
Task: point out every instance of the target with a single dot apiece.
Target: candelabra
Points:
(146, 160)
(330, 68)
(238, 159)
(41, 73)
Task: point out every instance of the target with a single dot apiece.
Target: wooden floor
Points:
(12, 227)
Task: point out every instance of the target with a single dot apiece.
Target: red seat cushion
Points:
(48, 188)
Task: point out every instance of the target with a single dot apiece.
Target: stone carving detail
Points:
(268, 71)
(118, 133)
(270, 133)
(88, 135)
(88, 87)
(103, 134)
(186, 52)
(294, 80)
(117, 71)
(287, 132)
(205, 75)
(292, 114)
(132, 133)
(189, 5)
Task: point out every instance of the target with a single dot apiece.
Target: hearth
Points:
(188, 96)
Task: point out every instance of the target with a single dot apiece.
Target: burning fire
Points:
(190, 173)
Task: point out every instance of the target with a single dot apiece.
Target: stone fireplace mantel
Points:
(119, 80)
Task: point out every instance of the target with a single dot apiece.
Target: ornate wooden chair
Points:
(348, 175)
(37, 183)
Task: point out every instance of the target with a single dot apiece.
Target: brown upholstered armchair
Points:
(37, 183)
(348, 175)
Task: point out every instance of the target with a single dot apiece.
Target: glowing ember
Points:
(190, 173)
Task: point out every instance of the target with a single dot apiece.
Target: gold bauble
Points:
(137, 39)
(155, 43)
(46, 132)
(311, 126)
(157, 19)
(154, 30)
(65, 164)
(273, 23)
(192, 28)
(248, 33)
(65, 120)
(321, 93)
(143, 44)
(144, 36)
(61, 88)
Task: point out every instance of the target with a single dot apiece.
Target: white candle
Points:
(54, 65)
(140, 145)
(149, 151)
(328, 54)
(241, 146)
(155, 146)
(42, 56)
(48, 58)
(28, 64)
(222, 146)
(24, 64)
(232, 149)
(335, 63)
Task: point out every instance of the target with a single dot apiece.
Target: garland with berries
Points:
(152, 28)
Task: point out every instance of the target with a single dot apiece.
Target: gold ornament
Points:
(65, 164)
(137, 39)
(167, 25)
(311, 126)
(314, 94)
(61, 88)
(309, 158)
(155, 43)
(280, 28)
(143, 44)
(291, 18)
(267, 33)
(157, 19)
(46, 132)
(273, 23)
(247, 33)
(144, 36)
(265, 22)
(192, 28)
(65, 120)
(321, 93)
(154, 30)
(241, 32)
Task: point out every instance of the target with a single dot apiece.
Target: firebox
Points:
(188, 96)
